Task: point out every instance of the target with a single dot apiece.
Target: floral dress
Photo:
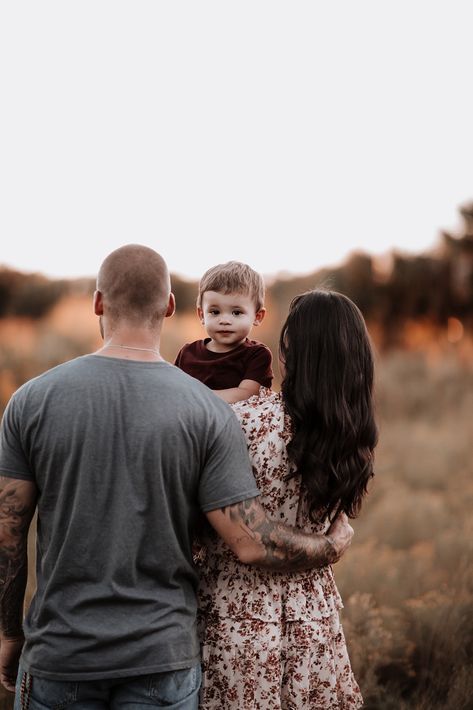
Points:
(271, 640)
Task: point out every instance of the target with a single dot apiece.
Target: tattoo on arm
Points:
(17, 504)
(283, 548)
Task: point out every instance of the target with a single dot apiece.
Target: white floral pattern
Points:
(271, 641)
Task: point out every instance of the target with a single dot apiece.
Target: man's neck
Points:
(132, 344)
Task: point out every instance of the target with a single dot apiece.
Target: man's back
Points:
(118, 451)
(122, 452)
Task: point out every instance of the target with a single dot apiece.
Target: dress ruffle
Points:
(239, 592)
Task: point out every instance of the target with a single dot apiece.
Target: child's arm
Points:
(246, 389)
(258, 373)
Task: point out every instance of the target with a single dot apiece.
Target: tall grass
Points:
(407, 580)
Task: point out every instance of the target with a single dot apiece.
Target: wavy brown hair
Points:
(328, 393)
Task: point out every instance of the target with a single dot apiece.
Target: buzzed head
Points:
(135, 285)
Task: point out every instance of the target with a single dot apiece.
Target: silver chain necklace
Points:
(130, 347)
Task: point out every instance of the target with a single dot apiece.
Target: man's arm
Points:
(245, 389)
(17, 506)
(256, 540)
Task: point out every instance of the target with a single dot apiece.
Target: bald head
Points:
(135, 285)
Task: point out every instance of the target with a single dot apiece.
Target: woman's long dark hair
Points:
(328, 393)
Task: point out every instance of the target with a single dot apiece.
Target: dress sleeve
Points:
(259, 366)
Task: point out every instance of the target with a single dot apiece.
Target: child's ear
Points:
(200, 313)
(259, 316)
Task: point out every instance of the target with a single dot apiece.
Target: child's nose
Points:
(225, 318)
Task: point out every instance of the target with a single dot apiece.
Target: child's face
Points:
(228, 318)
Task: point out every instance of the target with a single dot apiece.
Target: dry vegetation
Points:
(407, 581)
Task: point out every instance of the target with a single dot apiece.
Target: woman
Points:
(270, 640)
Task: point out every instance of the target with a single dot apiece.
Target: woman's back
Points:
(272, 640)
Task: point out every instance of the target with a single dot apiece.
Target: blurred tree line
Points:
(33, 295)
(435, 287)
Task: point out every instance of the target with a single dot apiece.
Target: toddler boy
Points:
(229, 304)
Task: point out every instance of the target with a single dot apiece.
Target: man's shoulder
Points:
(198, 404)
(187, 385)
(54, 373)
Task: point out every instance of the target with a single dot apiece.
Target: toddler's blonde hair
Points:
(233, 277)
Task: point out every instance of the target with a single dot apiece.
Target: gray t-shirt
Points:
(125, 455)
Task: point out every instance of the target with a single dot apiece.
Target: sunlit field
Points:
(407, 580)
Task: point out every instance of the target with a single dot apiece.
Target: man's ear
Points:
(259, 316)
(171, 306)
(200, 313)
(98, 303)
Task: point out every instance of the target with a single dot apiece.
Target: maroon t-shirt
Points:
(220, 371)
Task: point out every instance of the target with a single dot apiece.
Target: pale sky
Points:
(283, 134)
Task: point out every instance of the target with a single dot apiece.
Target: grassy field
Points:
(407, 581)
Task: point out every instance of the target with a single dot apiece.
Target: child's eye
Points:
(214, 312)
(237, 313)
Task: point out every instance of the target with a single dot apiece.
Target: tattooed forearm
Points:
(16, 511)
(282, 547)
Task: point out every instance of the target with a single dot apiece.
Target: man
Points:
(121, 452)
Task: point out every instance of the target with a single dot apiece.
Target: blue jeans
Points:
(175, 690)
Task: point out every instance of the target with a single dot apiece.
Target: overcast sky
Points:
(283, 134)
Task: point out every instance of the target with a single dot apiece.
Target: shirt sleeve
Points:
(13, 459)
(227, 477)
(178, 359)
(259, 366)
